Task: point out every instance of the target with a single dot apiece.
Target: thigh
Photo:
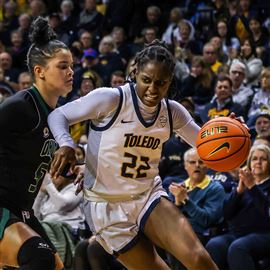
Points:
(168, 228)
(142, 256)
(14, 236)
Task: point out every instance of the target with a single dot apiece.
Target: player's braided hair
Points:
(44, 44)
(155, 51)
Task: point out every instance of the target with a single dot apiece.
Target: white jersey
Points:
(123, 156)
(123, 149)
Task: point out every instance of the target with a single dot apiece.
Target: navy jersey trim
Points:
(137, 110)
(114, 117)
(149, 211)
(170, 116)
(128, 246)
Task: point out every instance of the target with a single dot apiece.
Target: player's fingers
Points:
(232, 115)
(54, 165)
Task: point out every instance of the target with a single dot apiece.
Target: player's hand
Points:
(79, 170)
(240, 119)
(64, 156)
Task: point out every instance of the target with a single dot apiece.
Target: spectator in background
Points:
(59, 210)
(247, 211)
(18, 50)
(55, 23)
(253, 64)
(198, 198)
(262, 126)
(241, 94)
(86, 39)
(9, 21)
(117, 78)
(217, 42)
(184, 38)
(175, 17)
(80, 153)
(230, 44)
(210, 57)
(91, 20)
(239, 22)
(222, 103)
(149, 34)
(68, 17)
(261, 100)
(199, 84)
(181, 67)
(24, 81)
(5, 89)
(261, 141)
(88, 62)
(37, 8)
(109, 59)
(79, 131)
(121, 44)
(11, 74)
(57, 202)
(259, 34)
(24, 24)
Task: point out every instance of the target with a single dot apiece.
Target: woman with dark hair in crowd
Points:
(200, 84)
(26, 150)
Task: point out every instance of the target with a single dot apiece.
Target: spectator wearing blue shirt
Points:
(247, 211)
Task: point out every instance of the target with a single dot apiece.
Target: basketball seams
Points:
(214, 139)
(237, 136)
(207, 161)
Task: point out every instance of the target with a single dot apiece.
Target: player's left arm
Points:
(183, 123)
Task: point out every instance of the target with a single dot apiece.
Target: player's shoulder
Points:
(20, 100)
(174, 105)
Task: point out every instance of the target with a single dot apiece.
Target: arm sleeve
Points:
(96, 105)
(183, 123)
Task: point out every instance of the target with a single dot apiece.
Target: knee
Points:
(214, 245)
(35, 254)
(236, 248)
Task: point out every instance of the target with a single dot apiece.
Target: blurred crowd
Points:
(222, 54)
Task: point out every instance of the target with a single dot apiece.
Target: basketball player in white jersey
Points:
(125, 204)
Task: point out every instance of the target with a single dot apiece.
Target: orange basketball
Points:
(223, 144)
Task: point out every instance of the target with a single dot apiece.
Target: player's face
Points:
(153, 82)
(58, 73)
(259, 164)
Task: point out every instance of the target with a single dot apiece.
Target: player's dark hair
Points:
(155, 51)
(44, 44)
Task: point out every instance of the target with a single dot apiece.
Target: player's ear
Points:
(39, 72)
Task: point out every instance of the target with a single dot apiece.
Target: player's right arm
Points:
(98, 105)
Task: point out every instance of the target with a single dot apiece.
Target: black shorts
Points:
(7, 218)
